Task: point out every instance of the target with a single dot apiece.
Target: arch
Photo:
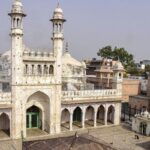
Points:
(111, 114)
(39, 69)
(42, 102)
(14, 22)
(51, 69)
(77, 116)
(65, 118)
(5, 123)
(100, 115)
(18, 22)
(45, 70)
(143, 128)
(89, 116)
(26, 69)
(34, 117)
(32, 70)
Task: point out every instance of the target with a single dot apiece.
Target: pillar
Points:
(95, 117)
(106, 111)
(71, 121)
(83, 118)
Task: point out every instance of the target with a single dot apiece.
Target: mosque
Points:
(48, 90)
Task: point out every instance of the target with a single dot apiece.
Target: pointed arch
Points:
(40, 101)
(100, 115)
(77, 116)
(111, 114)
(5, 123)
(89, 116)
(65, 118)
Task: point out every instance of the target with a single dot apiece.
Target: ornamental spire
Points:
(58, 4)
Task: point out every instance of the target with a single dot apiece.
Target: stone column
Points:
(71, 121)
(95, 117)
(83, 118)
(105, 119)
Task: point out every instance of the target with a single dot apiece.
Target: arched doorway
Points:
(110, 115)
(34, 117)
(38, 113)
(77, 117)
(5, 124)
(100, 115)
(65, 119)
(89, 116)
(143, 128)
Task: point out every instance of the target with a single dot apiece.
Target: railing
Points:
(38, 56)
(5, 97)
(91, 94)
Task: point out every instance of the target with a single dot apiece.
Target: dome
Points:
(68, 59)
(118, 66)
(146, 113)
(17, 3)
(58, 10)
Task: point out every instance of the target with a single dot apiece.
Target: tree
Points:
(117, 54)
(106, 52)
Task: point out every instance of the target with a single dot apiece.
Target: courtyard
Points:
(102, 138)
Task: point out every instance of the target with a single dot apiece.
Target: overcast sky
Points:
(91, 24)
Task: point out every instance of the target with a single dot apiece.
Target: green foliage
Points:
(147, 68)
(117, 54)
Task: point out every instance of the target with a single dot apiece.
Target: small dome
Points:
(17, 3)
(118, 66)
(146, 113)
(68, 59)
(58, 10)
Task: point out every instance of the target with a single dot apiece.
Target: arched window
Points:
(51, 69)
(120, 75)
(18, 23)
(39, 70)
(14, 22)
(32, 70)
(26, 69)
(45, 69)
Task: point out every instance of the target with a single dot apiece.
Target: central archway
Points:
(38, 112)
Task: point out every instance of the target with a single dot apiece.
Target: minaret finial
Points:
(58, 3)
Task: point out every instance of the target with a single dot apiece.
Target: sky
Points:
(91, 25)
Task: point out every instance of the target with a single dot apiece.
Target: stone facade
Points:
(141, 123)
(36, 99)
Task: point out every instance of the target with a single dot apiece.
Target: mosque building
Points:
(48, 90)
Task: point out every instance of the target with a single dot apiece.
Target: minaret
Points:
(58, 38)
(16, 34)
(118, 70)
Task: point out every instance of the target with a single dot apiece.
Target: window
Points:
(51, 69)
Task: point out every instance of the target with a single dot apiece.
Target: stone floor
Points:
(4, 134)
(120, 137)
(11, 145)
(35, 132)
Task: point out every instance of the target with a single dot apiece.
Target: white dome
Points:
(146, 113)
(68, 59)
(118, 66)
(17, 3)
(58, 10)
